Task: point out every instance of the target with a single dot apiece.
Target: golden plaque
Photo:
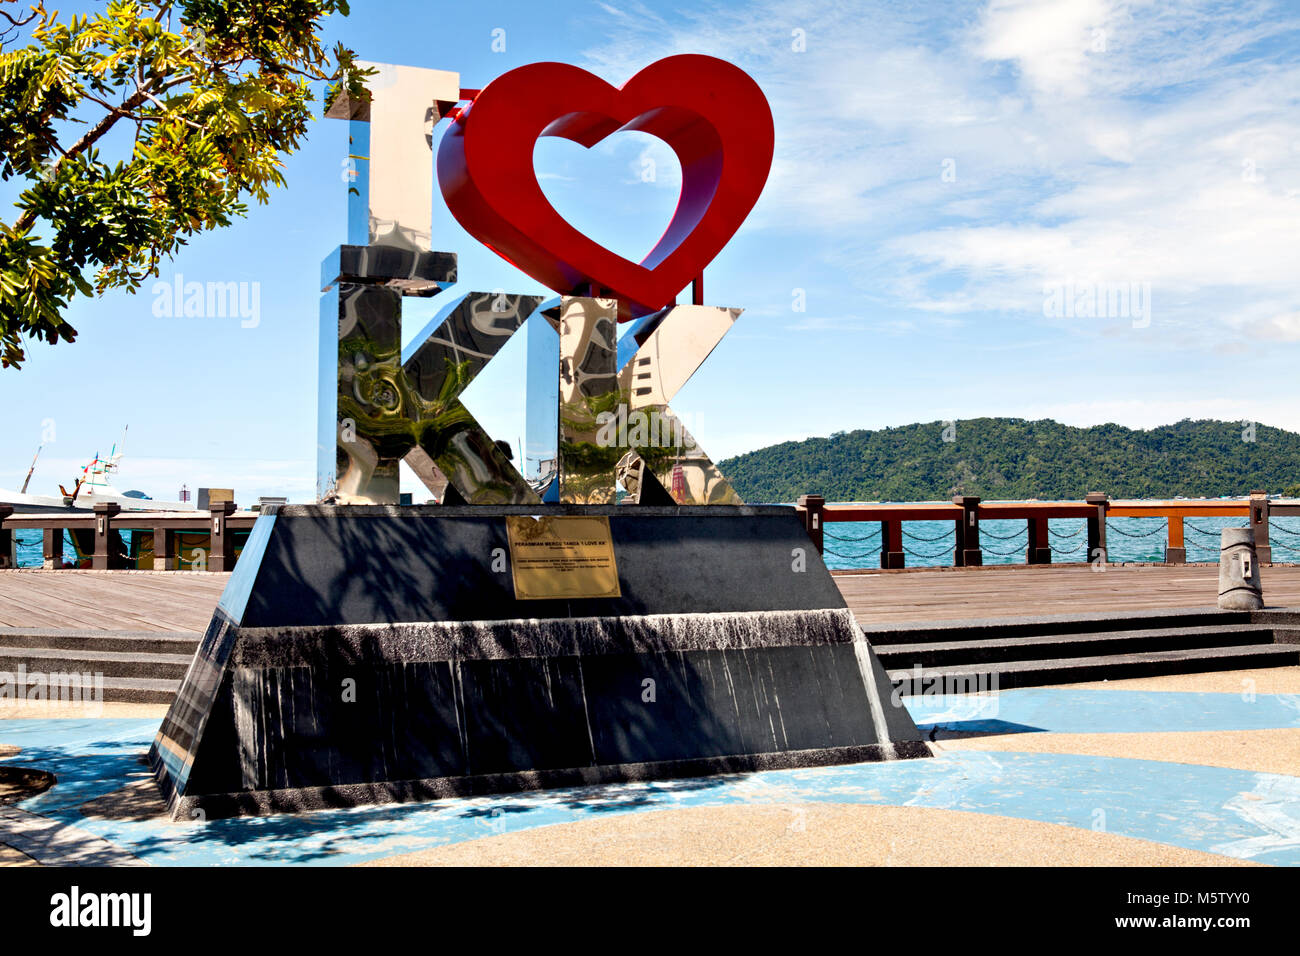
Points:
(562, 557)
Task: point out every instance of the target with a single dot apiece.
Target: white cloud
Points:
(1051, 41)
(1108, 140)
(1278, 328)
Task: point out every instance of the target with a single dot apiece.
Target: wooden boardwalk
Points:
(952, 594)
(183, 601)
(110, 600)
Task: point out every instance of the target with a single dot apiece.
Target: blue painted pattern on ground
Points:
(1234, 812)
(1065, 711)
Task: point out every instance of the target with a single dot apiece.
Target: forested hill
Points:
(1010, 458)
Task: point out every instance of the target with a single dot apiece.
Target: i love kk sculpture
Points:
(393, 405)
(527, 631)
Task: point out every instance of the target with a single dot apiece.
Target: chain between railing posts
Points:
(1259, 521)
(1097, 526)
(967, 553)
(221, 552)
(810, 508)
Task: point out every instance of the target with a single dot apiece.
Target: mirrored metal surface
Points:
(669, 347)
(680, 465)
(410, 272)
(390, 186)
(438, 367)
(379, 404)
(541, 431)
(588, 395)
(363, 432)
(666, 348)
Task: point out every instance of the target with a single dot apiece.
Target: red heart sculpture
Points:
(710, 112)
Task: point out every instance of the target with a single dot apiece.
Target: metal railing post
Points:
(891, 545)
(1259, 522)
(1097, 526)
(105, 557)
(1040, 546)
(810, 509)
(8, 553)
(967, 553)
(1176, 550)
(221, 550)
(52, 549)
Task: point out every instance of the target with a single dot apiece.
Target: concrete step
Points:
(148, 642)
(1032, 673)
(1000, 628)
(124, 663)
(1043, 647)
(140, 690)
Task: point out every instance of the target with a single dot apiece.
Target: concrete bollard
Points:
(1239, 588)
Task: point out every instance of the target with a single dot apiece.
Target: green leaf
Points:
(213, 131)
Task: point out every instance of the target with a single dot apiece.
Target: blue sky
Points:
(939, 169)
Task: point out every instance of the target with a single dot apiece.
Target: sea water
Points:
(929, 544)
(29, 548)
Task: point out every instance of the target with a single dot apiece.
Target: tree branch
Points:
(92, 135)
(14, 23)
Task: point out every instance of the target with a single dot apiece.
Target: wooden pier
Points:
(211, 540)
(1097, 618)
(109, 600)
(140, 629)
(183, 601)
(168, 541)
(952, 594)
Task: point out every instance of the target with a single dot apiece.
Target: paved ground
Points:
(803, 834)
(1169, 770)
(1265, 751)
(1173, 770)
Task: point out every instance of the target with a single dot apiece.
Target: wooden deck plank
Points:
(109, 600)
(964, 593)
(183, 601)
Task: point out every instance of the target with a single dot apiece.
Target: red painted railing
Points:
(966, 512)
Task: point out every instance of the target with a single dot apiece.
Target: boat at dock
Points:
(91, 487)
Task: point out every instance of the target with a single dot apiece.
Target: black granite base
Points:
(297, 800)
(364, 655)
